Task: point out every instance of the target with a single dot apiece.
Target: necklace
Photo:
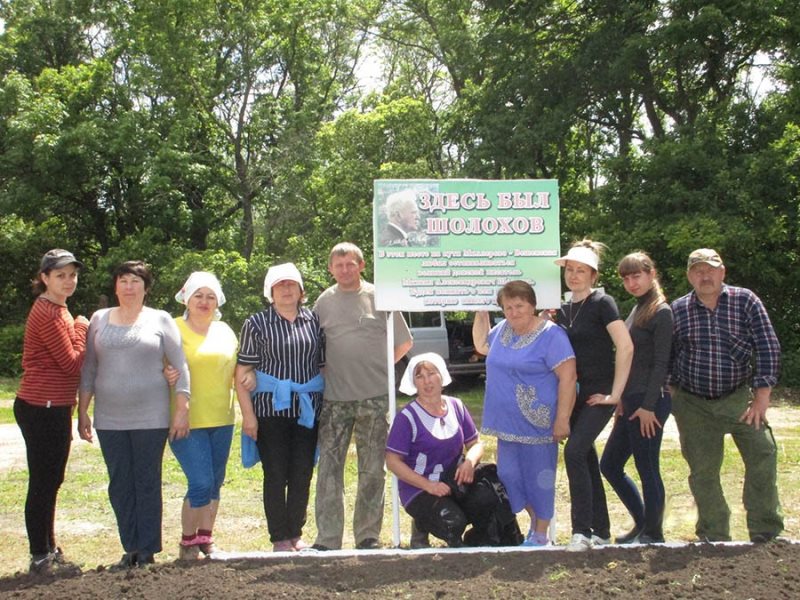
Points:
(570, 318)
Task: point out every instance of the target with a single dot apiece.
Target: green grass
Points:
(8, 388)
(87, 530)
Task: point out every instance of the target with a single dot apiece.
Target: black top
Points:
(651, 347)
(585, 323)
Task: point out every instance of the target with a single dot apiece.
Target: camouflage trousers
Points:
(367, 421)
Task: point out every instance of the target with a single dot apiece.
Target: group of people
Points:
(711, 358)
(551, 377)
(156, 380)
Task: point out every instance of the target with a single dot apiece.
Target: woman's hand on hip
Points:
(602, 400)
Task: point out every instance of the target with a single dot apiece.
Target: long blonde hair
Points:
(640, 262)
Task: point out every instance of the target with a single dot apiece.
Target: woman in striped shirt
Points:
(284, 345)
(52, 356)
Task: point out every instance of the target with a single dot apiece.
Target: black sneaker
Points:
(144, 560)
(629, 538)
(368, 544)
(646, 538)
(128, 561)
(41, 564)
(321, 548)
(763, 538)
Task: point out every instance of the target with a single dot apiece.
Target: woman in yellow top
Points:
(210, 348)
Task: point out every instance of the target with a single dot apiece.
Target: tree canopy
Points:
(229, 134)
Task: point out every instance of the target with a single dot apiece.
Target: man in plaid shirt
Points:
(725, 363)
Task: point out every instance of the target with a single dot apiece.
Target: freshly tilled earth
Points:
(662, 572)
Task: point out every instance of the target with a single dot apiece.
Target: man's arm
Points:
(767, 362)
(402, 349)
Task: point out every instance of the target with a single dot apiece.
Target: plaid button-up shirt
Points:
(716, 351)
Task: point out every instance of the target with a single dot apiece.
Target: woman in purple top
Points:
(424, 449)
(530, 391)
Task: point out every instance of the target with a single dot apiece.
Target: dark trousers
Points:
(589, 510)
(447, 517)
(287, 452)
(626, 440)
(133, 459)
(48, 434)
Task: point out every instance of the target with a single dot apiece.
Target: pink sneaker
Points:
(299, 544)
(283, 546)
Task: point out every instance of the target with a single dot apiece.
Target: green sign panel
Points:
(451, 244)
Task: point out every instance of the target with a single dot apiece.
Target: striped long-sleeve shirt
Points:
(283, 349)
(52, 355)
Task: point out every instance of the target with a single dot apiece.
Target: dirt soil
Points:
(693, 571)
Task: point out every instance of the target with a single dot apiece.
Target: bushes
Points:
(11, 337)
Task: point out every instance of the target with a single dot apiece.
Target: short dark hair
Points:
(134, 267)
(517, 289)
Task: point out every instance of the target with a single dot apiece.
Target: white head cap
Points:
(197, 280)
(278, 273)
(580, 254)
(407, 382)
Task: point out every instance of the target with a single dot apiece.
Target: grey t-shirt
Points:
(355, 343)
(124, 366)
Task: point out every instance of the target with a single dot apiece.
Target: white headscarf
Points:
(278, 273)
(197, 280)
(407, 381)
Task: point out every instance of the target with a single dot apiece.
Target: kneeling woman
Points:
(424, 449)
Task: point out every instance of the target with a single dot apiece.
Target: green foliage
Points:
(231, 136)
(11, 337)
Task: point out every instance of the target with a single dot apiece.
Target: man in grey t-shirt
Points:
(355, 399)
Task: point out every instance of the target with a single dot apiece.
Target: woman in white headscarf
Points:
(283, 345)
(210, 349)
(426, 443)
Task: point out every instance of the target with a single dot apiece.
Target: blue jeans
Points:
(133, 459)
(203, 456)
(626, 440)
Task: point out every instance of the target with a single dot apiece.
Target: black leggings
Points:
(589, 510)
(48, 435)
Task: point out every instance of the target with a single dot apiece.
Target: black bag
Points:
(496, 527)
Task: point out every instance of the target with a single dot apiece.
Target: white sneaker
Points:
(598, 541)
(579, 543)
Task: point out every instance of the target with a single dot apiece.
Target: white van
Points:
(449, 335)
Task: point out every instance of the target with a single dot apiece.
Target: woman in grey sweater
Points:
(645, 403)
(125, 353)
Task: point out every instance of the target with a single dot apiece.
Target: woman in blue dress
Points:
(530, 391)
